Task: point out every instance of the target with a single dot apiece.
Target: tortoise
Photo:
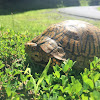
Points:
(74, 39)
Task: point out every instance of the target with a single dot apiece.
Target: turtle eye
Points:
(34, 48)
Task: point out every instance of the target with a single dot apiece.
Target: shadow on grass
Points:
(9, 11)
(19, 6)
(12, 11)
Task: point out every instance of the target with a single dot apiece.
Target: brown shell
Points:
(74, 39)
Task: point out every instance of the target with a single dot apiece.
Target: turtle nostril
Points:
(28, 45)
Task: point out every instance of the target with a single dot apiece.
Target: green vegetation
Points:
(35, 21)
(32, 21)
(60, 84)
(89, 2)
(98, 8)
(21, 79)
(83, 2)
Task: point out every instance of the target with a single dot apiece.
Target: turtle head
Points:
(41, 51)
(35, 53)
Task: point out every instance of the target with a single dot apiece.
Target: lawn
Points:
(20, 79)
(35, 21)
(98, 8)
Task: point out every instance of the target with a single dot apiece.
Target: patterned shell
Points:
(74, 39)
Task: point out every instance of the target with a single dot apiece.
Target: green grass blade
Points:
(42, 76)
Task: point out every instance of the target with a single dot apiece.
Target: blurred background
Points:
(24, 5)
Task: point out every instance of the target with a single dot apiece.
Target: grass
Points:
(34, 21)
(83, 2)
(98, 8)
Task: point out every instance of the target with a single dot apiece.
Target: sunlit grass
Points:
(98, 8)
(32, 21)
(83, 2)
(35, 21)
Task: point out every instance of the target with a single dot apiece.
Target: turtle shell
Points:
(74, 39)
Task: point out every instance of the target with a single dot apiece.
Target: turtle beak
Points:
(30, 44)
